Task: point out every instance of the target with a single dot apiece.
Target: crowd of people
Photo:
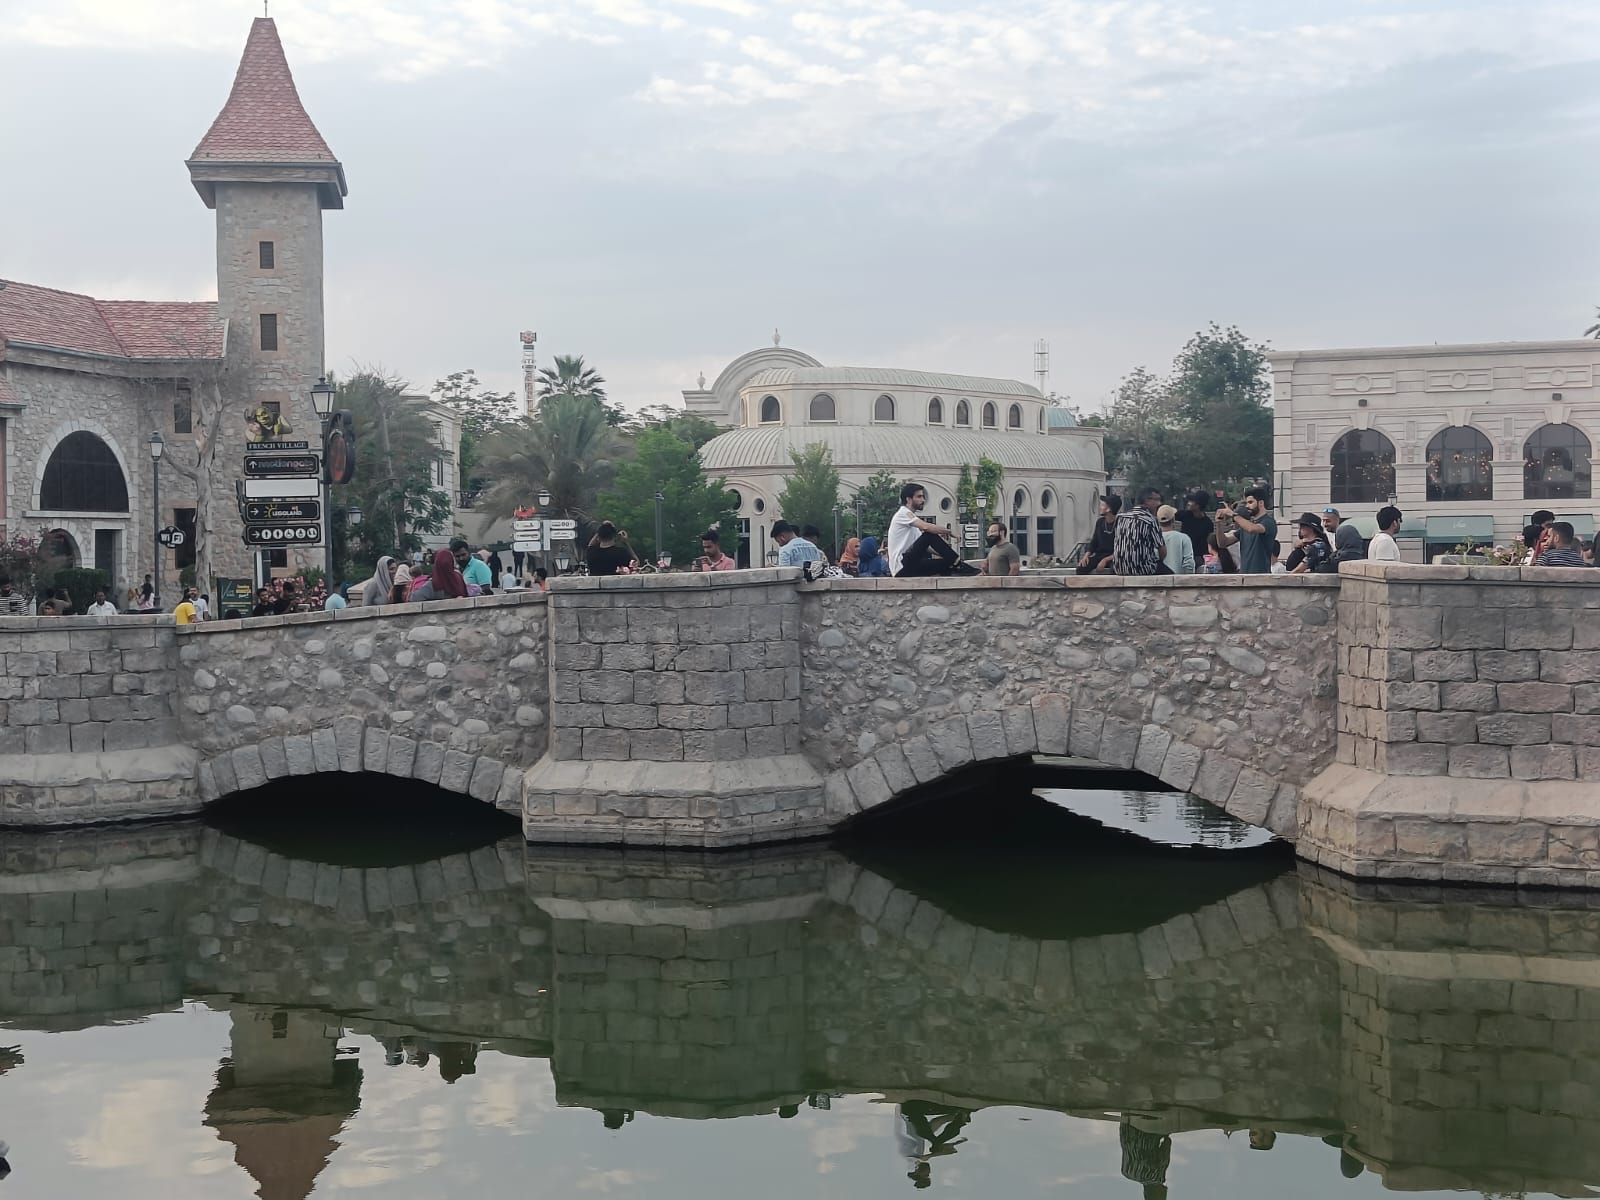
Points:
(1151, 537)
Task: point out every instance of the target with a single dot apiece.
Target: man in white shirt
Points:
(102, 608)
(918, 547)
(1383, 547)
(202, 608)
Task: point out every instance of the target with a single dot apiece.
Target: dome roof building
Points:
(923, 426)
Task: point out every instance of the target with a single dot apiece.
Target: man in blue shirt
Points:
(473, 569)
(792, 548)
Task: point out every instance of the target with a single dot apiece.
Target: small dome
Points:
(1060, 418)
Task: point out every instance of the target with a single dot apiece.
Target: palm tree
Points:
(1593, 330)
(568, 449)
(571, 377)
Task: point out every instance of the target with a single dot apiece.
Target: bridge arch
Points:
(351, 746)
(1048, 724)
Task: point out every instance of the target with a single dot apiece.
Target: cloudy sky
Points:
(657, 184)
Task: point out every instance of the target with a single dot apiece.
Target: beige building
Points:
(84, 383)
(920, 425)
(1467, 440)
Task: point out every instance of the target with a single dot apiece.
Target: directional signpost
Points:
(562, 531)
(971, 535)
(527, 536)
(172, 537)
(281, 497)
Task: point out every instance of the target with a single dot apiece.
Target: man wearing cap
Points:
(1180, 550)
(1347, 546)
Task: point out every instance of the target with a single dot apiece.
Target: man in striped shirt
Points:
(1136, 545)
(1563, 550)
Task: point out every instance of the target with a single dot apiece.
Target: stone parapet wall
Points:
(453, 692)
(1220, 685)
(1469, 718)
(88, 731)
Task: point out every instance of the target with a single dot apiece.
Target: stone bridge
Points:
(1394, 721)
(1448, 1038)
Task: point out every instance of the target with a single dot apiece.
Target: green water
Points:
(1027, 1005)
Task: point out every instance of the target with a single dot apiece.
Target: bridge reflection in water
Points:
(1438, 1039)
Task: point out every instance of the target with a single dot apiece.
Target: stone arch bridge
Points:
(1398, 721)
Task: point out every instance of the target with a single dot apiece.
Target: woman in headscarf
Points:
(850, 560)
(872, 565)
(401, 592)
(445, 583)
(378, 589)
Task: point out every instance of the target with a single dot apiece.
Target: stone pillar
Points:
(675, 713)
(1469, 710)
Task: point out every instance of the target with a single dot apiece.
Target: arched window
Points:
(1363, 468)
(771, 410)
(990, 414)
(1046, 497)
(1555, 464)
(1460, 465)
(936, 411)
(963, 413)
(83, 476)
(1014, 417)
(822, 408)
(735, 499)
(1041, 421)
(1019, 500)
(883, 408)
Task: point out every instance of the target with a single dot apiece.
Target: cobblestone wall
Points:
(1222, 686)
(454, 693)
(88, 730)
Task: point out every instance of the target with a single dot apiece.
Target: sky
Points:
(658, 185)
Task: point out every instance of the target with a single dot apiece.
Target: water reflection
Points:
(1440, 1040)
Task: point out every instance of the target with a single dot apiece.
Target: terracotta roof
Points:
(73, 322)
(263, 120)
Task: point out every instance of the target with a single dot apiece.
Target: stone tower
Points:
(268, 174)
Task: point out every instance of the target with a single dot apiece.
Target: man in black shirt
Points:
(1196, 525)
(1101, 542)
(604, 556)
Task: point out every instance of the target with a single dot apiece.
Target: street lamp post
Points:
(322, 393)
(983, 518)
(157, 445)
(838, 512)
(860, 508)
(660, 500)
(544, 526)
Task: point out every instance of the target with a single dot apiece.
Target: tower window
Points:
(269, 331)
(183, 410)
(268, 256)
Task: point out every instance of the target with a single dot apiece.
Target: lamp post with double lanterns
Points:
(544, 504)
(322, 393)
(158, 445)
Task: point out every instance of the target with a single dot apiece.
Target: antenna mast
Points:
(1041, 365)
(530, 371)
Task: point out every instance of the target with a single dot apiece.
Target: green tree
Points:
(394, 484)
(686, 426)
(568, 448)
(482, 412)
(966, 490)
(812, 489)
(987, 481)
(879, 500)
(1223, 393)
(662, 461)
(571, 376)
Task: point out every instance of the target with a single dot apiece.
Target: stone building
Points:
(921, 425)
(1467, 440)
(85, 382)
